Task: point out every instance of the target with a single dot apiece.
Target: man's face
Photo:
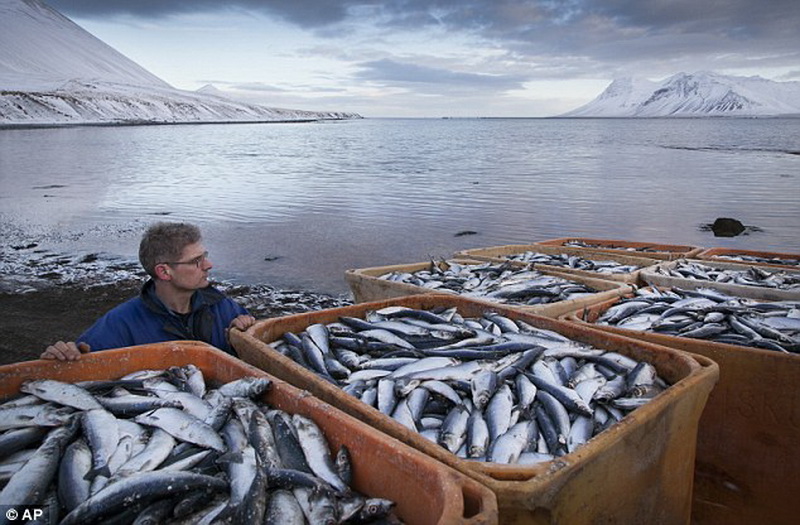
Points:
(190, 272)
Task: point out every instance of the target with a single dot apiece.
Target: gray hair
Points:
(164, 242)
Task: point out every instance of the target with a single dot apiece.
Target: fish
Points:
(283, 509)
(465, 402)
(477, 435)
(287, 443)
(498, 282)
(146, 487)
(386, 396)
(580, 243)
(712, 315)
(102, 430)
(483, 386)
(566, 396)
(157, 449)
(18, 439)
(28, 486)
(580, 432)
(183, 426)
(564, 260)
(344, 465)
(454, 429)
(316, 451)
(42, 415)
(767, 277)
(508, 447)
(133, 404)
(498, 411)
(765, 259)
(261, 436)
(245, 387)
(62, 393)
(95, 481)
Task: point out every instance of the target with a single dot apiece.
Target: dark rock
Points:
(726, 227)
(92, 257)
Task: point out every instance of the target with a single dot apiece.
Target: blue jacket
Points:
(145, 319)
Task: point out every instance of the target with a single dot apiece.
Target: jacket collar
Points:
(198, 326)
(207, 296)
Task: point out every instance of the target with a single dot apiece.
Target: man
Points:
(177, 302)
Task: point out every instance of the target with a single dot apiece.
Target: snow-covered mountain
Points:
(52, 71)
(701, 94)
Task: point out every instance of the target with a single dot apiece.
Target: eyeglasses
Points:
(197, 261)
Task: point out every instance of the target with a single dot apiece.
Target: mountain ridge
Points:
(699, 94)
(53, 72)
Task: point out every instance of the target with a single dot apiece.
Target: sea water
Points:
(295, 205)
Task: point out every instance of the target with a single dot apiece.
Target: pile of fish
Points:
(712, 315)
(487, 388)
(577, 243)
(783, 261)
(565, 260)
(500, 283)
(158, 447)
(753, 276)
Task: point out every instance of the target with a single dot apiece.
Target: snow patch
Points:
(691, 95)
(53, 72)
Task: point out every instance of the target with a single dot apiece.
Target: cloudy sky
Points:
(431, 58)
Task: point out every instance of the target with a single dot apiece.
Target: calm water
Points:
(294, 205)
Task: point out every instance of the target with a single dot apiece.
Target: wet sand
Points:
(33, 320)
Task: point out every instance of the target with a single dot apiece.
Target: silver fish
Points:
(155, 452)
(316, 451)
(44, 415)
(498, 412)
(144, 487)
(102, 430)
(421, 365)
(386, 396)
(62, 393)
(263, 440)
(508, 447)
(28, 486)
(454, 429)
(183, 426)
(283, 509)
(19, 439)
(477, 435)
(483, 386)
(251, 387)
(581, 430)
(402, 414)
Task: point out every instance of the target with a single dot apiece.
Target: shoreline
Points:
(122, 123)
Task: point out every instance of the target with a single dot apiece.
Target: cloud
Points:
(738, 18)
(305, 13)
(540, 37)
(432, 79)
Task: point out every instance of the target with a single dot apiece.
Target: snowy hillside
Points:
(54, 72)
(694, 95)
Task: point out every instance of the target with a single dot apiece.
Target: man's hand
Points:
(65, 351)
(243, 322)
